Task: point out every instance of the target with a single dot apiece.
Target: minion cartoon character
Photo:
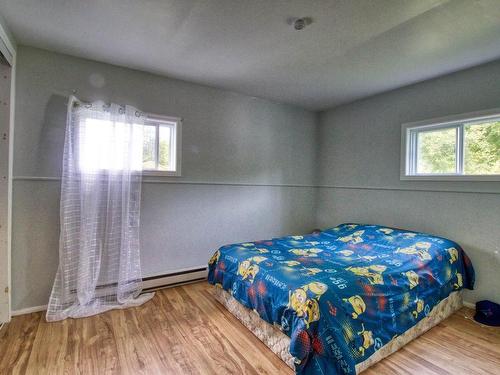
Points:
(453, 254)
(262, 250)
(419, 307)
(305, 307)
(317, 288)
(353, 238)
(214, 258)
(249, 268)
(357, 304)
(459, 283)
(386, 231)
(373, 273)
(297, 301)
(367, 340)
(346, 253)
(311, 311)
(313, 252)
(421, 249)
(310, 271)
(290, 263)
(412, 278)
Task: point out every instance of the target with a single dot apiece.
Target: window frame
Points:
(176, 153)
(410, 131)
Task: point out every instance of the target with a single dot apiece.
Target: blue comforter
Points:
(342, 293)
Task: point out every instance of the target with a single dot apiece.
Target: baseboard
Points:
(176, 278)
(28, 310)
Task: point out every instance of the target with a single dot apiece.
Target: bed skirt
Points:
(279, 343)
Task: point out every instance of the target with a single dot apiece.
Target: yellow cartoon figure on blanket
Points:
(310, 271)
(346, 253)
(214, 258)
(373, 273)
(262, 250)
(249, 268)
(367, 340)
(453, 254)
(421, 249)
(297, 301)
(386, 231)
(317, 288)
(290, 263)
(459, 283)
(313, 252)
(312, 311)
(412, 278)
(358, 305)
(419, 307)
(354, 237)
(307, 307)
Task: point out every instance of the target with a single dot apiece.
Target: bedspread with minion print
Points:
(342, 293)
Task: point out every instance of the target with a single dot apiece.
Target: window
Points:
(463, 147)
(161, 146)
(158, 139)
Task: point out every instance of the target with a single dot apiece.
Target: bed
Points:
(339, 300)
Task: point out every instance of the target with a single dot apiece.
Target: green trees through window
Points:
(154, 148)
(438, 150)
(482, 148)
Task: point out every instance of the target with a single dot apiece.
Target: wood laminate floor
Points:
(184, 330)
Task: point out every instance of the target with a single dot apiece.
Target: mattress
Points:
(279, 343)
(343, 294)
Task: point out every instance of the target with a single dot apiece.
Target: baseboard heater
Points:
(148, 284)
(173, 279)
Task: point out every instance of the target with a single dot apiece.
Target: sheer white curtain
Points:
(99, 253)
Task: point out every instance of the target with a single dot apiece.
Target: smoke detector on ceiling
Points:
(299, 23)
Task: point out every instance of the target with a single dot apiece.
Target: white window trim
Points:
(177, 156)
(407, 144)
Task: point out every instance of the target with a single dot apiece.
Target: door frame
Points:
(8, 51)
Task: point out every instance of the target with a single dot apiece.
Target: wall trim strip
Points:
(407, 189)
(181, 182)
(227, 183)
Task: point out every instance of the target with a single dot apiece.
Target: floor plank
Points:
(184, 330)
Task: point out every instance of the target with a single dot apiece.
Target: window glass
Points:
(164, 148)
(149, 148)
(482, 148)
(102, 143)
(437, 151)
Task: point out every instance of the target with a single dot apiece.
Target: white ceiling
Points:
(353, 48)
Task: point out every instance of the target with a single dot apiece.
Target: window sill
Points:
(471, 178)
(161, 173)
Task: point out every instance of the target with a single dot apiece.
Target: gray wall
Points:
(359, 165)
(248, 167)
